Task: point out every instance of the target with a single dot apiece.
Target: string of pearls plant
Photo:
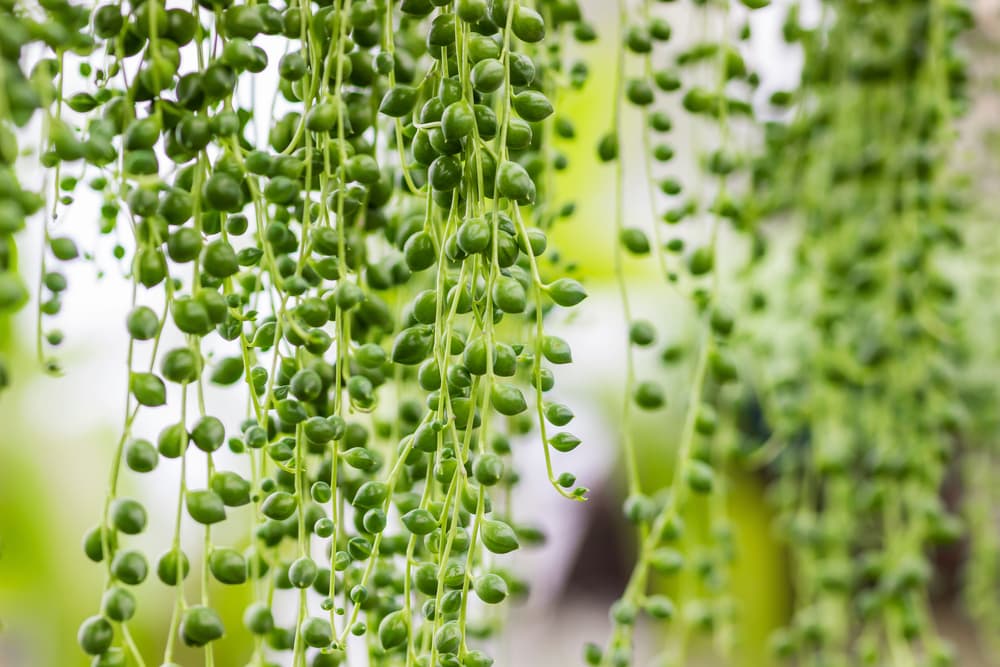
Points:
(374, 276)
(684, 533)
(868, 420)
(340, 211)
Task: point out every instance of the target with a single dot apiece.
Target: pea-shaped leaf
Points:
(148, 389)
(448, 638)
(279, 505)
(564, 442)
(491, 588)
(498, 537)
(556, 350)
(532, 106)
(205, 506)
(228, 371)
(200, 625)
(509, 295)
(370, 495)
(507, 399)
(142, 323)
(567, 292)
(514, 183)
(419, 521)
(398, 101)
(413, 345)
(393, 630)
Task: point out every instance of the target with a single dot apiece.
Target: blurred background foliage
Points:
(57, 437)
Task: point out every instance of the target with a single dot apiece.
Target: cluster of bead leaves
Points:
(373, 275)
(894, 199)
(706, 76)
(368, 261)
(865, 416)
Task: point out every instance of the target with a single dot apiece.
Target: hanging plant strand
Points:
(338, 216)
(371, 278)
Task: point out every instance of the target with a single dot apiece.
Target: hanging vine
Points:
(337, 214)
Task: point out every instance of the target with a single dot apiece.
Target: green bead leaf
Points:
(498, 537)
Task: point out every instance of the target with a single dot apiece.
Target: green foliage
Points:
(307, 257)
(370, 268)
